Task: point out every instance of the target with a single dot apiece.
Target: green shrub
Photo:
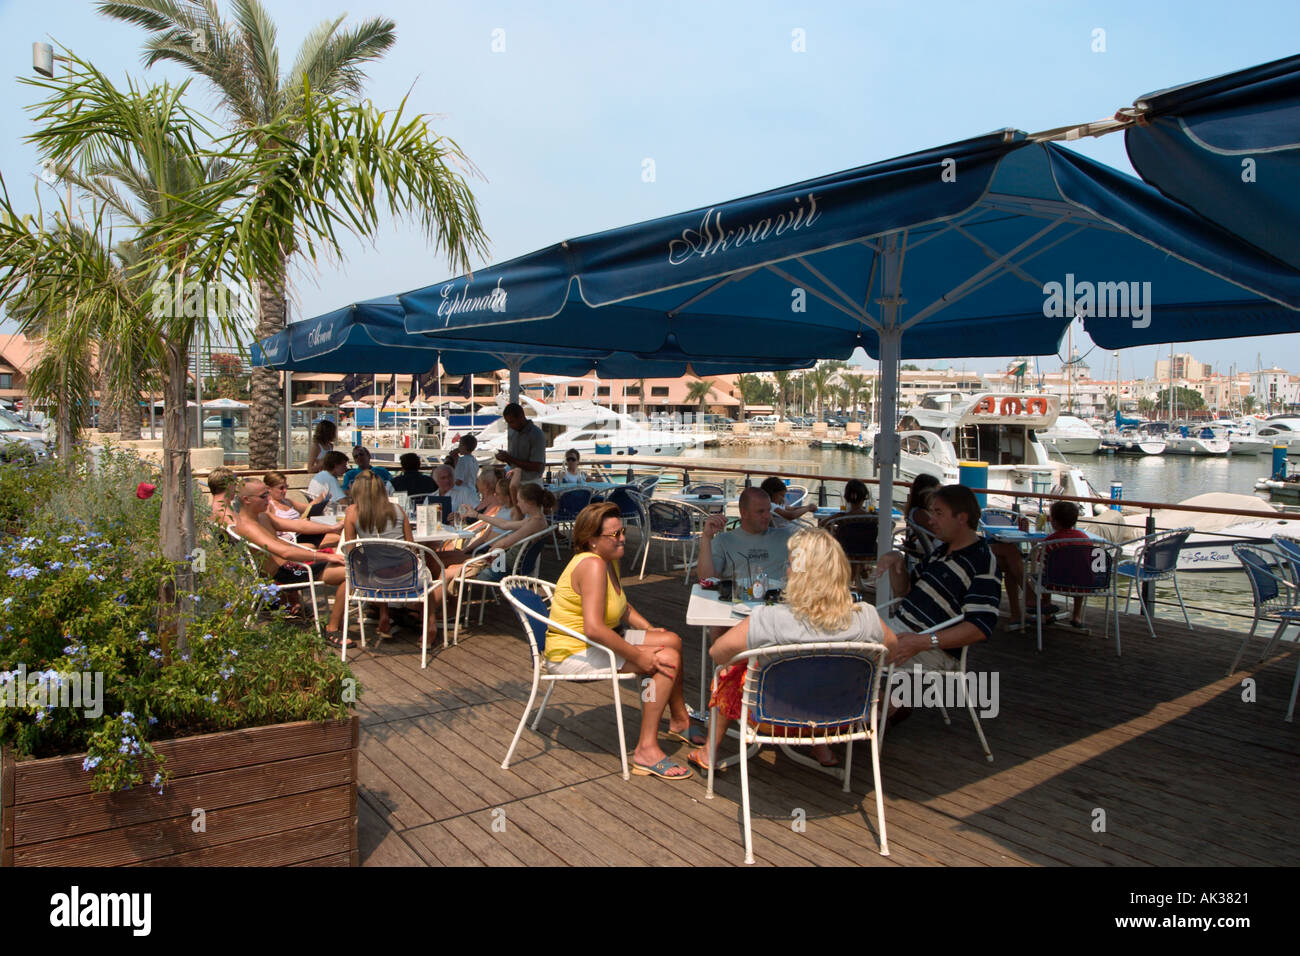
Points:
(80, 571)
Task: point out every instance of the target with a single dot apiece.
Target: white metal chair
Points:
(794, 495)
(856, 534)
(309, 585)
(388, 571)
(803, 694)
(524, 557)
(673, 522)
(1075, 567)
(1155, 558)
(1275, 593)
(531, 598)
(998, 518)
(958, 666)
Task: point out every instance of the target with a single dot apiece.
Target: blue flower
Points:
(90, 763)
(156, 654)
(65, 538)
(7, 602)
(128, 716)
(71, 650)
(207, 637)
(144, 637)
(55, 566)
(234, 653)
(40, 716)
(152, 721)
(213, 698)
(226, 672)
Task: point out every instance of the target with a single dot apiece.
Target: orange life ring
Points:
(1036, 406)
(985, 406)
(1012, 406)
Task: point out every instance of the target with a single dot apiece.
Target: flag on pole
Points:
(352, 383)
(417, 387)
(466, 386)
(390, 391)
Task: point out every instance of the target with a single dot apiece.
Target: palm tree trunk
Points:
(263, 415)
(176, 529)
(107, 408)
(128, 417)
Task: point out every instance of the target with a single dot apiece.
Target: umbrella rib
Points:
(992, 253)
(853, 312)
(969, 285)
(733, 277)
(831, 285)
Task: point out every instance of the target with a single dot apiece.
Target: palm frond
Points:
(330, 59)
(256, 32)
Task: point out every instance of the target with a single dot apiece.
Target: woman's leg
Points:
(653, 702)
(679, 719)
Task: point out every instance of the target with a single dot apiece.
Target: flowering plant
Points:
(84, 663)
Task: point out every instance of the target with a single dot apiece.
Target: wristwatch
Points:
(934, 641)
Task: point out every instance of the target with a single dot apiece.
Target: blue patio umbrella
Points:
(1229, 148)
(985, 247)
(370, 337)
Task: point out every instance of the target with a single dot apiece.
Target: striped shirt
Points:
(965, 583)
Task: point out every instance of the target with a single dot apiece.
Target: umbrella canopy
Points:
(371, 336)
(1229, 147)
(224, 403)
(979, 248)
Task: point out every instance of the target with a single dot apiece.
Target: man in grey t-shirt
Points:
(755, 544)
(525, 445)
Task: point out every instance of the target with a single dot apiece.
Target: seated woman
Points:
(503, 533)
(571, 475)
(781, 515)
(288, 521)
(916, 513)
(589, 599)
(322, 443)
(856, 497)
(371, 515)
(223, 483)
(819, 607)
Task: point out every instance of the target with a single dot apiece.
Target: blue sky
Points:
(561, 121)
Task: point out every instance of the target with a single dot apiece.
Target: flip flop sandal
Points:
(695, 728)
(334, 639)
(704, 767)
(661, 769)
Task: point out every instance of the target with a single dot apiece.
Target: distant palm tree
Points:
(818, 379)
(241, 60)
(698, 392)
(783, 385)
(1248, 404)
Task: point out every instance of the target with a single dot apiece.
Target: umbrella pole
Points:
(886, 450)
(288, 412)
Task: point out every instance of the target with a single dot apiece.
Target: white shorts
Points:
(593, 659)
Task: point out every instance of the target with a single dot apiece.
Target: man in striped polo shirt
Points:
(960, 579)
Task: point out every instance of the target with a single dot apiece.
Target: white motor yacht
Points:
(1281, 429)
(1000, 429)
(1241, 437)
(1071, 436)
(592, 429)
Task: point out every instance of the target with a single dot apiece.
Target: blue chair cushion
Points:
(536, 628)
(813, 692)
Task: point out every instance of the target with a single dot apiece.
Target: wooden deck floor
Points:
(1159, 740)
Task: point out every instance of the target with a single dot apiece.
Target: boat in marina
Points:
(997, 428)
(1209, 547)
(1071, 436)
(592, 429)
(1242, 437)
(1130, 436)
(1282, 430)
(1194, 440)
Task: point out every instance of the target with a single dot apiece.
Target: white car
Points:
(765, 419)
(20, 440)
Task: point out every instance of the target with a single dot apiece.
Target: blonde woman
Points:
(819, 607)
(371, 515)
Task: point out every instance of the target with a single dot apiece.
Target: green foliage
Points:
(1185, 400)
(80, 569)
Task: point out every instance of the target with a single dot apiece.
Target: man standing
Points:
(959, 579)
(361, 455)
(525, 446)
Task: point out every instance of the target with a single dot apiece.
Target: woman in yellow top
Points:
(589, 599)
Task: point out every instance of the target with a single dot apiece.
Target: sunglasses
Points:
(616, 535)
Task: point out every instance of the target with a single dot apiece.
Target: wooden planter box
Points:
(283, 795)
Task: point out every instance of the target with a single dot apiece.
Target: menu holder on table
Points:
(403, 499)
(428, 520)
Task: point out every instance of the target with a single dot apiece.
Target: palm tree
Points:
(241, 61)
(783, 385)
(698, 392)
(819, 379)
(1248, 404)
(205, 228)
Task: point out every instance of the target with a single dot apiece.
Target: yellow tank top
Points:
(566, 609)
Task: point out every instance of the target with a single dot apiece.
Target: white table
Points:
(443, 534)
(704, 611)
